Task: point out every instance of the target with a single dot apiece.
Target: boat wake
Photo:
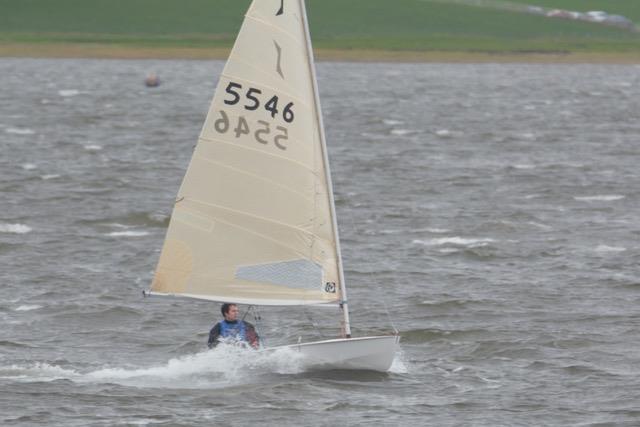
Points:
(217, 368)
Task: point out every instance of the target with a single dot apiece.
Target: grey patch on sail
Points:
(300, 274)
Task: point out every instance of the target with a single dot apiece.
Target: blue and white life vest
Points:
(236, 330)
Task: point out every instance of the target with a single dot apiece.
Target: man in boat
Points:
(232, 328)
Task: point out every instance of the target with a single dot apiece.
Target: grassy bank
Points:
(349, 29)
(628, 8)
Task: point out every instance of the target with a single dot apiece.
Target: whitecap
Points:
(402, 132)
(392, 122)
(93, 147)
(157, 217)
(443, 133)
(28, 307)
(448, 251)
(29, 166)
(605, 248)
(68, 92)
(37, 372)
(600, 198)
(437, 230)
(374, 232)
(455, 241)
(128, 233)
(50, 176)
(524, 166)
(20, 131)
(14, 228)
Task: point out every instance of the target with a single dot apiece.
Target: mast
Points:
(343, 288)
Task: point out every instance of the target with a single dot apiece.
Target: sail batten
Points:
(220, 218)
(276, 29)
(272, 155)
(291, 248)
(255, 223)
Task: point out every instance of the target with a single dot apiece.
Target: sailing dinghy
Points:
(254, 221)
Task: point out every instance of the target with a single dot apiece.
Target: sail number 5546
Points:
(261, 130)
(253, 101)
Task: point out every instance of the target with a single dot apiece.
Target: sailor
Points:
(232, 329)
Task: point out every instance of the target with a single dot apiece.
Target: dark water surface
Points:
(491, 213)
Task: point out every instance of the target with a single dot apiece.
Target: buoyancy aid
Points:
(236, 330)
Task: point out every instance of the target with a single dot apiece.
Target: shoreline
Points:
(115, 51)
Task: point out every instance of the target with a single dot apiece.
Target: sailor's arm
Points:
(214, 333)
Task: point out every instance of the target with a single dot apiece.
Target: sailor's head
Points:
(229, 311)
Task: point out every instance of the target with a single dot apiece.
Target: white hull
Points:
(366, 353)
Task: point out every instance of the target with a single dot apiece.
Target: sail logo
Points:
(330, 287)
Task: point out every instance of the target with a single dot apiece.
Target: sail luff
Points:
(318, 111)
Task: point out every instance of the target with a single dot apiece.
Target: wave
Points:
(436, 230)
(104, 314)
(540, 226)
(600, 198)
(14, 344)
(401, 231)
(421, 336)
(130, 233)
(454, 241)
(391, 122)
(605, 248)
(131, 220)
(28, 307)
(403, 132)
(49, 176)
(15, 228)
(447, 305)
(37, 372)
(20, 131)
(68, 92)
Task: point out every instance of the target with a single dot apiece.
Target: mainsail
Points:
(254, 220)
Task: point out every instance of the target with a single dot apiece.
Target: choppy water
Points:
(491, 210)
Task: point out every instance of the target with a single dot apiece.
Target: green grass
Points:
(420, 25)
(153, 17)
